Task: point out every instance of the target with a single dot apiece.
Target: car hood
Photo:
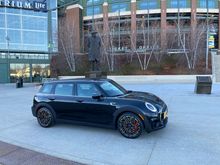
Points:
(143, 96)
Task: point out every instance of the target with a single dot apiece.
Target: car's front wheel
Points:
(45, 117)
(130, 125)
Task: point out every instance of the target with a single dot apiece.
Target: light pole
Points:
(207, 38)
(148, 25)
(119, 30)
(93, 12)
(7, 58)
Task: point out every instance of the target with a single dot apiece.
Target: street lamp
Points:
(119, 30)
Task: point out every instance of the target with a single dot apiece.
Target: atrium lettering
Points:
(24, 4)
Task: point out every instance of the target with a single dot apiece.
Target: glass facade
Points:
(148, 4)
(19, 70)
(212, 4)
(38, 72)
(178, 3)
(27, 36)
(93, 10)
(26, 30)
(116, 7)
(94, 7)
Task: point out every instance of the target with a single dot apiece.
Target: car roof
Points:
(79, 80)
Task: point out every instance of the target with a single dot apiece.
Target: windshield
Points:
(112, 88)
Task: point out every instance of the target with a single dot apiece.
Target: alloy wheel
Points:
(130, 125)
(45, 117)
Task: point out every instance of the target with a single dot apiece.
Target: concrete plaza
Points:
(192, 135)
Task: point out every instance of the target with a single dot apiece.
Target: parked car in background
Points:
(99, 102)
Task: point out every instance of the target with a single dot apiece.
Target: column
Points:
(133, 25)
(74, 18)
(106, 29)
(163, 25)
(193, 22)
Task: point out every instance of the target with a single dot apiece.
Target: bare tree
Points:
(149, 39)
(182, 41)
(108, 41)
(68, 45)
(199, 35)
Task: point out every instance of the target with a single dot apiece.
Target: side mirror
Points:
(97, 96)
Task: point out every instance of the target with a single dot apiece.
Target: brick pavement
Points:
(14, 155)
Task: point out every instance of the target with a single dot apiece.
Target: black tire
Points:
(45, 117)
(130, 125)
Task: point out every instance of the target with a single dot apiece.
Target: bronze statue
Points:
(94, 44)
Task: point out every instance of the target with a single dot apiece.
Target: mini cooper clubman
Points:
(99, 102)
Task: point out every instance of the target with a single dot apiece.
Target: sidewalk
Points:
(14, 155)
(193, 127)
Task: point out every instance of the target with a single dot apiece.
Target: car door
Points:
(97, 111)
(62, 99)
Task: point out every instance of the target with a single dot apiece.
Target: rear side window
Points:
(46, 88)
(64, 89)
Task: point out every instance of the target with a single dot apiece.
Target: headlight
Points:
(151, 107)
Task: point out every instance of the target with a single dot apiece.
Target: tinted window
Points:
(87, 90)
(112, 89)
(46, 88)
(64, 89)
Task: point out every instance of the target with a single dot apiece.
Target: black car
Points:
(99, 102)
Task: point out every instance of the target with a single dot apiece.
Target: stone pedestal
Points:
(96, 74)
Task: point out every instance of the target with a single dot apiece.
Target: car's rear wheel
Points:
(45, 117)
(130, 125)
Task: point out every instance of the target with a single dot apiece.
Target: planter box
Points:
(203, 85)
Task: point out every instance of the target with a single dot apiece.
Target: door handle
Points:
(51, 98)
(80, 101)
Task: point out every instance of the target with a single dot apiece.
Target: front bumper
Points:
(33, 109)
(157, 122)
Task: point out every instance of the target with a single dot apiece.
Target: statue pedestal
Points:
(96, 74)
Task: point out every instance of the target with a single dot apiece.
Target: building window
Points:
(2, 9)
(14, 36)
(94, 2)
(34, 23)
(119, 7)
(13, 21)
(40, 71)
(2, 20)
(148, 4)
(178, 3)
(211, 4)
(93, 10)
(14, 11)
(2, 36)
(19, 70)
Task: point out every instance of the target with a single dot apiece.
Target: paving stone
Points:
(13, 155)
(6, 148)
(18, 157)
(43, 159)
